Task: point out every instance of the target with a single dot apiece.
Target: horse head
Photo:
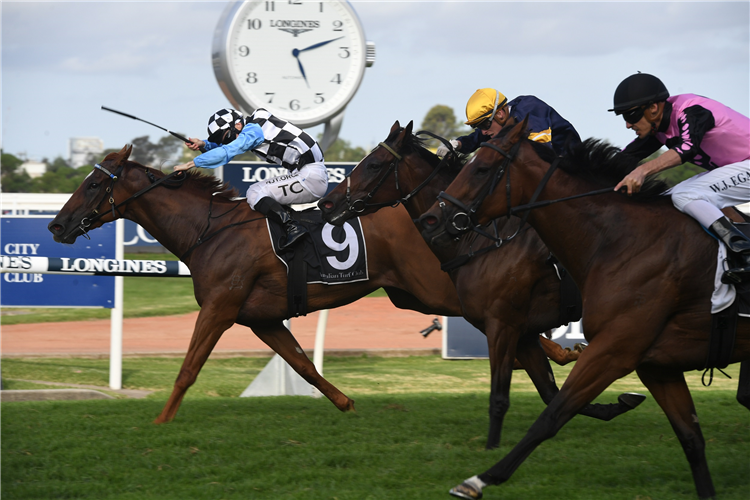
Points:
(94, 203)
(367, 187)
(465, 203)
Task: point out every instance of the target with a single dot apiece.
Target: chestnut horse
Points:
(520, 288)
(236, 275)
(645, 270)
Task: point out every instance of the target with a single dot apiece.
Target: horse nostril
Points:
(429, 221)
(55, 228)
(326, 204)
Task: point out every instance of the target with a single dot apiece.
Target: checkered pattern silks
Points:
(220, 121)
(284, 144)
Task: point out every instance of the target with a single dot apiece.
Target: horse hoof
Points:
(465, 490)
(631, 399)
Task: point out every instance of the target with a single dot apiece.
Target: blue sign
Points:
(136, 236)
(462, 340)
(241, 174)
(29, 236)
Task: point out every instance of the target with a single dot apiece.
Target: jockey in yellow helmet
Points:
(488, 111)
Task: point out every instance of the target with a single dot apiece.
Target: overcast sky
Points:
(61, 61)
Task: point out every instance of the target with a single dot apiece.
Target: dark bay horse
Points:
(236, 275)
(645, 270)
(520, 288)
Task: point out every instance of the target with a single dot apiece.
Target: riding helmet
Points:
(638, 90)
(220, 122)
(483, 104)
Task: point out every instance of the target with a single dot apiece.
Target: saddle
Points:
(330, 255)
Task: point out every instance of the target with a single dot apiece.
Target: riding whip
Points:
(175, 134)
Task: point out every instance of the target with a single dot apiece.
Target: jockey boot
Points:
(739, 245)
(275, 211)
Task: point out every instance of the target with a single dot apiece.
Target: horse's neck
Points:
(425, 197)
(175, 219)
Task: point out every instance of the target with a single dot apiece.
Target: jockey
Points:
(278, 142)
(697, 130)
(488, 111)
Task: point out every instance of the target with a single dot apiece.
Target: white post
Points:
(320, 338)
(115, 338)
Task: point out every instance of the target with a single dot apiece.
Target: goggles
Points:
(633, 116)
(484, 124)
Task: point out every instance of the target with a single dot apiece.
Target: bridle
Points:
(95, 215)
(361, 204)
(465, 218)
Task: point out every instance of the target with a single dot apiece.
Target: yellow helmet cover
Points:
(483, 104)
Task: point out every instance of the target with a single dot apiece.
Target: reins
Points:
(361, 204)
(96, 215)
(466, 220)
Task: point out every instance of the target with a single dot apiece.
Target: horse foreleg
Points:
(671, 392)
(533, 356)
(501, 344)
(596, 369)
(209, 327)
(281, 340)
(743, 388)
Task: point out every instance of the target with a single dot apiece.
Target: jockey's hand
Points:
(184, 166)
(195, 144)
(633, 181)
(443, 150)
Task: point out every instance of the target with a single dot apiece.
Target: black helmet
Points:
(638, 90)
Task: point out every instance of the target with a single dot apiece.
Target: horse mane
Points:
(604, 164)
(195, 180)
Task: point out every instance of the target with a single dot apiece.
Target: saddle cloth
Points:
(724, 295)
(333, 255)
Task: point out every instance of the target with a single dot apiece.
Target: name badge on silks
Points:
(333, 254)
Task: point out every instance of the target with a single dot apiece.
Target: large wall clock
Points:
(301, 60)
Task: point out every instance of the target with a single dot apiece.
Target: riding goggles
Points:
(633, 116)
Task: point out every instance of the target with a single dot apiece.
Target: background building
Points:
(82, 149)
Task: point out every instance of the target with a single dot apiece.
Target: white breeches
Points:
(301, 186)
(723, 187)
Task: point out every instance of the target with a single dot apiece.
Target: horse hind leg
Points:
(533, 353)
(673, 396)
(281, 340)
(743, 389)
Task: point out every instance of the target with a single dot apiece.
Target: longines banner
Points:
(241, 174)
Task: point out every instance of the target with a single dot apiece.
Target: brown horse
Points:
(520, 287)
(646, 273)
(236, 276)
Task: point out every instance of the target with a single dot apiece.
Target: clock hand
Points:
(315, 46)
(295, 53)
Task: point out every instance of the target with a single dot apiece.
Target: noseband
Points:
(95, 215)
(465, 219)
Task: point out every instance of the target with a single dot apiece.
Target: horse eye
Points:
(94, 185)
(375, 166)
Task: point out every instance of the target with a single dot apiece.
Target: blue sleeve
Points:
(218, 155)
(471, 142)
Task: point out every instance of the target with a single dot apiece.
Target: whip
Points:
(175, 134)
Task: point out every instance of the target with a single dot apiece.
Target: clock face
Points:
(301, 60)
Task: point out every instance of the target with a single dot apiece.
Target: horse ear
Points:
(409, 128)
(127, 149)
(519, 131)
(395, 126)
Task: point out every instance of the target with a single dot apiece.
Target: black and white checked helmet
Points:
(220, 121)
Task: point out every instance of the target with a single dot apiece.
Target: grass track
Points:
(407, 444)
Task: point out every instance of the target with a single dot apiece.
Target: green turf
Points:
(403, 442)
